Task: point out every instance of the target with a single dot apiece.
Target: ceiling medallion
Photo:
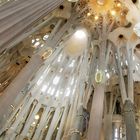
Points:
(99, 77)
(47, 53)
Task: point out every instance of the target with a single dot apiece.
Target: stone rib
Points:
(17, 18)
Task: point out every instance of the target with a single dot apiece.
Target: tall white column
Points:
(12, 91)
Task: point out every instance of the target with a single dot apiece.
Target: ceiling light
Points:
(88, 14)
(113, 12)
(36, 117)
(119, 4)
(96, 17)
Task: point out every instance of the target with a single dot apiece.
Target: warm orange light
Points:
(88, 14)
(96, 17)
(113, 12)
(118, 4)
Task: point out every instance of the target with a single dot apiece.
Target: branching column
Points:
(95, 123)
(129, 113)
(31, 68)
(96, 114)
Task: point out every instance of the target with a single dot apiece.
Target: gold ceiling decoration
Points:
(98, 8)
(47, 53)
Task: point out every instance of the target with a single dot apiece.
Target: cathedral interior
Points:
(69, 69)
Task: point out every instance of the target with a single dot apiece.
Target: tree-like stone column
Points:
(95, 124)
(129, 117)
(96, 114)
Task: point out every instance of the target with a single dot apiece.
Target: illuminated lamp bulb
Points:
(96, 17)
(113, 12)
(88, 14)
(36, 117)
(119, 4)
